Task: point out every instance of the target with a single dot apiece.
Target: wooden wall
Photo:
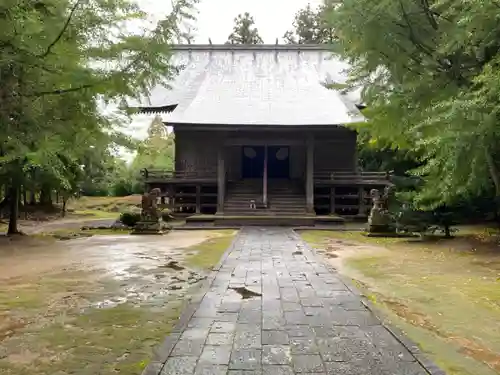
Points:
(335, 149)
(332, 155)
(196, 152)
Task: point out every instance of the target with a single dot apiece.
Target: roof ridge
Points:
(251, 47)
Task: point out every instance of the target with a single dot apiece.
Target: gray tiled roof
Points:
(255, 85)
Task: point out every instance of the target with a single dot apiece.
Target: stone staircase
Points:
(285, 198)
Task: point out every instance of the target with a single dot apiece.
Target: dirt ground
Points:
(81, 211)
(444, 294)
(96, 305)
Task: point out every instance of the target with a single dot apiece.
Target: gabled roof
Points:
(254, 85)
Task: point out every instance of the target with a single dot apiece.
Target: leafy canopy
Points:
(312, 26)
(430, 75)
(244, 31)
(59, 60)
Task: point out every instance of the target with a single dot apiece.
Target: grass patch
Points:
(102, 341)
(443, 293)
(106, 204)
(209, 252)
(68, 234)
(319, 238)
(48, 327)
(448, 355)
(96, 214)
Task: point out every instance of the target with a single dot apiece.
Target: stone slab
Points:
(306, 320)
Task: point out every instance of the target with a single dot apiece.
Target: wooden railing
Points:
(165, 174)
(352, 176)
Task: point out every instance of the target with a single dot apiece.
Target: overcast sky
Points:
(215, 20)
(215, 17)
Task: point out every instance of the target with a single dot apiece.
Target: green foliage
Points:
(157, 150)
(166, 216)
(130, 219)
(430, 78)
(244, 31)
(313, 26)
(60, 61)
(440, 220)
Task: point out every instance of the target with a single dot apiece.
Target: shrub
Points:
(130, 219)
(121, 188)
(166, 216)
(440, 220)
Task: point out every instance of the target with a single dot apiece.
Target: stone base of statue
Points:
(151, 222)
(380, 223)
(151, 227)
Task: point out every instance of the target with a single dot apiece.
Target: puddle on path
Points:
(47, 284)
(246, 293)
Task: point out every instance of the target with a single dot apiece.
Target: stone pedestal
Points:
(380, 220)
(151, 227)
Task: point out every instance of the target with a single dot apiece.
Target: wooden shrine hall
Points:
(260, 138)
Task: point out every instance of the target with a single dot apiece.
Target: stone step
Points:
(269, 210)
(264, 213)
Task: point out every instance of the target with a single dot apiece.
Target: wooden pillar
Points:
(310, 174)
(221, 180)
(362, 206)
(171, 198)
(264, 189)
(198, 199)
(332, 200)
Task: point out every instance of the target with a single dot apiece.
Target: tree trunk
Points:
(495, 176)
(447, 231)
(25, 203)
(14, 210)
(64, 205)
(46, 196)
(32, 198)
(5, 202)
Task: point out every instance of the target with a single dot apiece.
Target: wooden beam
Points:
(332, 200)
(264, 179)
(310, 174)
(362, 205)
(171, 198)
(198, 199)
(221, 180)
(258, 141)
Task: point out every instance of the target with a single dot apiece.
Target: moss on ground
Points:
(51, 323)
(443, 293)
(96, 214)
(72, 233)
(48, 326)
(208, 253)
(106, 204)
(101, 341)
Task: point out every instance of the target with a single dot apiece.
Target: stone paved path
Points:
(306, 321)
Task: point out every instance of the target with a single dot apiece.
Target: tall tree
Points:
(58, 57)
(312, 26)
(431, 86)
(244, 31)
(157, 150)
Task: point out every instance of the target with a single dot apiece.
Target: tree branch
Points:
(63, 91)
(429, 13)
(63, 30)
(422, 47)
(86, 86)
